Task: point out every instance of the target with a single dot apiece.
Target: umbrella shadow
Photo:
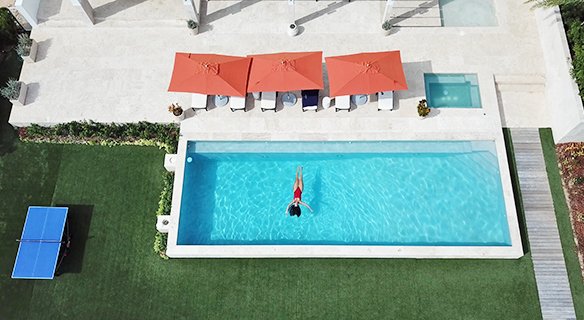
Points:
(414, 72)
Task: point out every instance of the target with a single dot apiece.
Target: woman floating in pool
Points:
(294, 205)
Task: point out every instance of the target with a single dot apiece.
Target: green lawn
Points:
(117, 276)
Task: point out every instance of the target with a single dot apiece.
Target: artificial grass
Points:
(119, 277)
(563, 220)
(516, 189)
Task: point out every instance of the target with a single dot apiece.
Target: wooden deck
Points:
(553, 287)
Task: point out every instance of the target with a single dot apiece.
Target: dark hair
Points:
(295, 210)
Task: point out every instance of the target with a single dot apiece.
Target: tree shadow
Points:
(79, 221)
(8, 134)
(8, 137)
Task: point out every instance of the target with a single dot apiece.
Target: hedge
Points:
(164, 136)
(573, 17)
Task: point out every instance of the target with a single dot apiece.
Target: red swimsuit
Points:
(298, 194)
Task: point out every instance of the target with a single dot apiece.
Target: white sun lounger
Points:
(199, 101)
(343, 103)
(237, 103)
(385, 101)
(268, 101)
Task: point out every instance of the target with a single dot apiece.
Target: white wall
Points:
(28, 9)
(563, 101)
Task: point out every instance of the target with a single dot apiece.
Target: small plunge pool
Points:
(452, 90)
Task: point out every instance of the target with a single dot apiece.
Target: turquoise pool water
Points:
(468, 13)
(452, 90)
(362, 193)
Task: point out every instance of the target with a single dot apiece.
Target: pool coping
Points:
(351, 251)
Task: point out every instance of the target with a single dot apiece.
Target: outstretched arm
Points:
(306, 205)
(288, 207)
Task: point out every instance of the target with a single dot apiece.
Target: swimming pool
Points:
(452, 90)
(468, 13)
(414, 193)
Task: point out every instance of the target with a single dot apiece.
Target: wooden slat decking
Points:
(553, 287)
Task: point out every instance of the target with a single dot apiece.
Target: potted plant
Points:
(194, 26)
(386, 27)
(423, 109)
(15, 91)
(177, 111)
(292, 29)
(26, 48)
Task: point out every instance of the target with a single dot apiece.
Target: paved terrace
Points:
(119, 69)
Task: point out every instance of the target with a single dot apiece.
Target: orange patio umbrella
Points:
(365, 73)
(211, 74)
(285, 71)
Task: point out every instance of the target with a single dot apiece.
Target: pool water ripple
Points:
(418, 198)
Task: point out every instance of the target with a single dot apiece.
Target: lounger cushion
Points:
(309, 98)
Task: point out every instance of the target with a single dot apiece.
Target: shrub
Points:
(192, 24)
(7, 29)
(24, 45)
(164, 205)
(576, 36)
(165, 136)
(12, 89)
(423, 109)
(386, 25)
(578, 181)
(160, 240)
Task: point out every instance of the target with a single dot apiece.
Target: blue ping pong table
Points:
(40, 243)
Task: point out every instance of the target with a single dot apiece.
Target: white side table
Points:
(326, 102)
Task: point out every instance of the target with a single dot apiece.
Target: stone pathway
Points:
(553, 286)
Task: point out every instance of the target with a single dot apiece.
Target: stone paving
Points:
(119, 69)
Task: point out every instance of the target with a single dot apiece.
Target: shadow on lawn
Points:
(79, 218)
(10, 68)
